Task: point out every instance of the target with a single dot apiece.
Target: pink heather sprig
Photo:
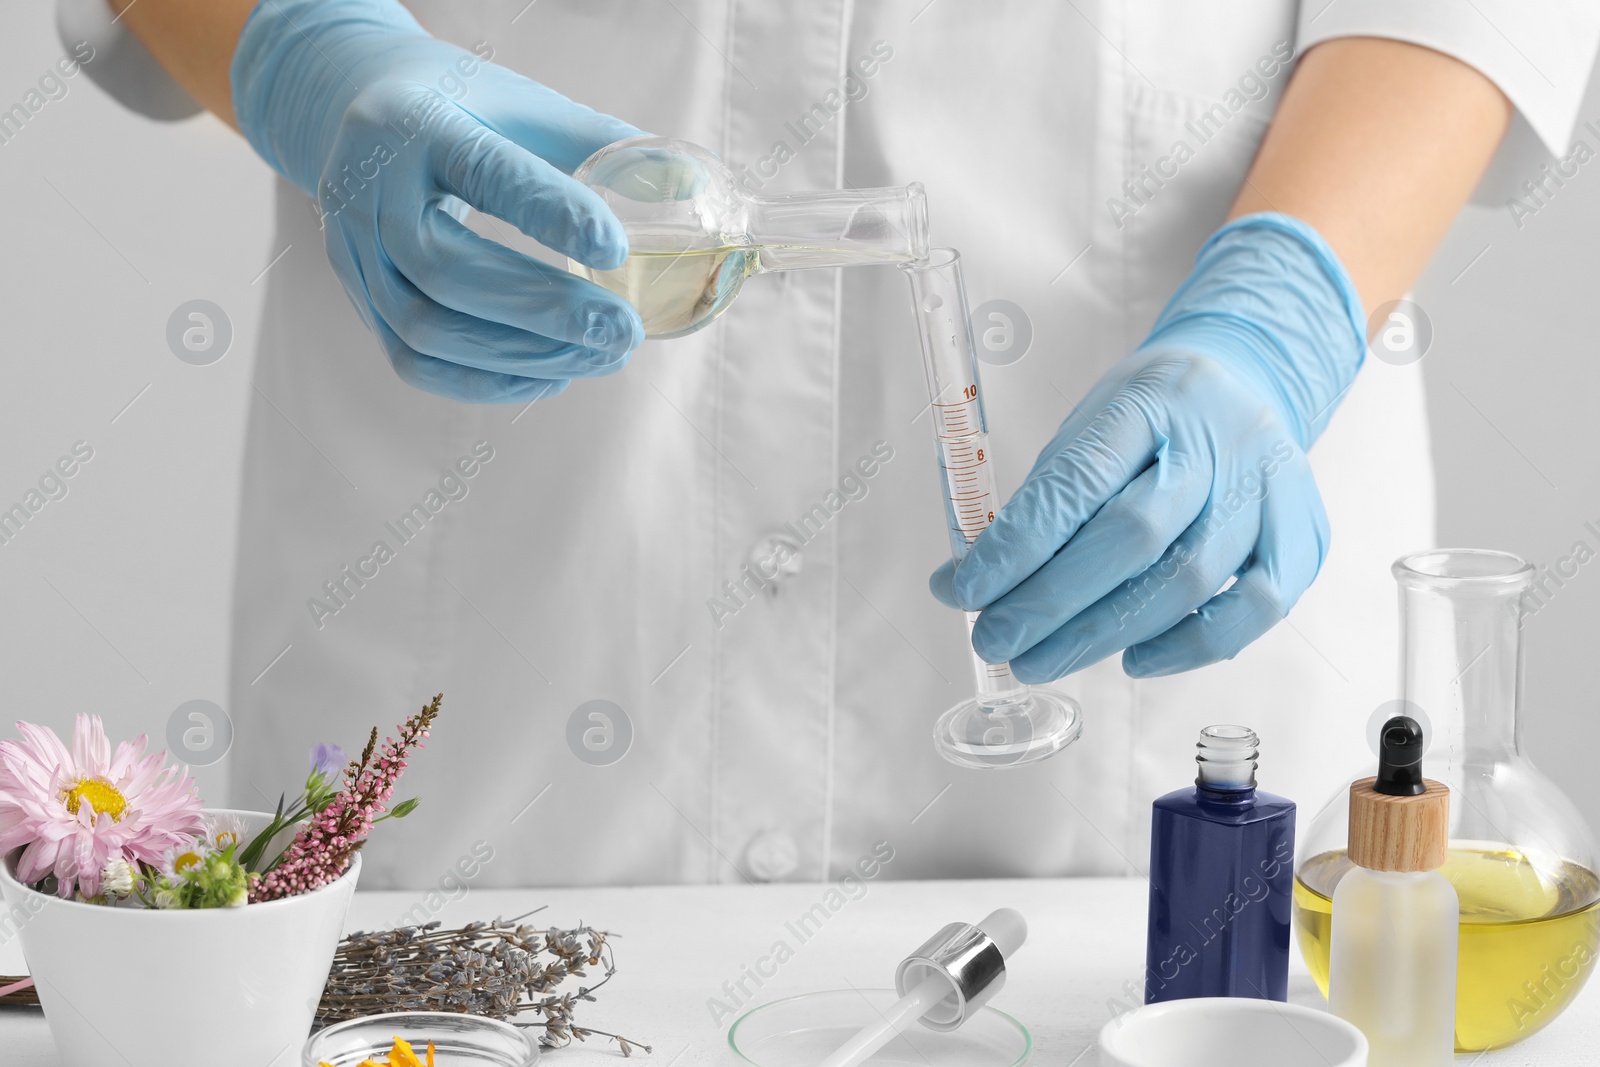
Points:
(321, 851)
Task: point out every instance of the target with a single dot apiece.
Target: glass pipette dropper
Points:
(956, 972)
(1006, 724)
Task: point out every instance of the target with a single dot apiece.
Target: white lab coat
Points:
(780, 738)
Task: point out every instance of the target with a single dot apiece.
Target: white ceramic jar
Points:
(1236, 1031)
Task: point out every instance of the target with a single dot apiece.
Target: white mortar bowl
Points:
(143, 988)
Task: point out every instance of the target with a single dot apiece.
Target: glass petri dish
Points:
(458, 1040)
(801, 1032)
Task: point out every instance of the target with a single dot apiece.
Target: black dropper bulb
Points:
(1400, 758)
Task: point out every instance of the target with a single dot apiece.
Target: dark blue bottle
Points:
(1221, 879)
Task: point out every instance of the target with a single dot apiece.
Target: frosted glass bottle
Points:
(1392, 963)
(1393, 969)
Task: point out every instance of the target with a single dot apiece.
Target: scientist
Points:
(467, 457)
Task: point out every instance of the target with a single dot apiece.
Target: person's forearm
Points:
(194, 40)
(1377, 144)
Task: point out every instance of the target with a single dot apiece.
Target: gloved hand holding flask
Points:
(397, 134)
(1184, 467)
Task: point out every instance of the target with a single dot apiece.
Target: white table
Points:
(678, 945)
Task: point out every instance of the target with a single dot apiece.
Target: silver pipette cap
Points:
(971, 958)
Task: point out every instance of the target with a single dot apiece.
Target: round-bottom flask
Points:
(695, 233)
(1521, 858)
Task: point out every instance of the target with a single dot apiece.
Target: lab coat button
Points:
(774, 559)
(771, 855)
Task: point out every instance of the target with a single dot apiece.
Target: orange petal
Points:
(402, 1055)
(430, 1054)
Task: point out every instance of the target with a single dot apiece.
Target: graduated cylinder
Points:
(1006, 724)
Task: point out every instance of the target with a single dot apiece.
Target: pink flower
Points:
(77, 810)
(321, 851)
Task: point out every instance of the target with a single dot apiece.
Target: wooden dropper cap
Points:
(1399, 820)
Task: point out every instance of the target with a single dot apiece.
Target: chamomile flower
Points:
(117, 878)
(223, 831)
(183, 858)
(213, 880)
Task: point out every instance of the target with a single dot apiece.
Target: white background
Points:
(116, 597)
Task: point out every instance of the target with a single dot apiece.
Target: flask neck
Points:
(840, 228)
(1461, 648)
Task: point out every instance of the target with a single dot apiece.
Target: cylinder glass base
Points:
(1008, 735)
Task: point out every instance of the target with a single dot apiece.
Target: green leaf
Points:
(258, 844)
(399, 811)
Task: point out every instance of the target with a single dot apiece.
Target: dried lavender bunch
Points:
(500, 969)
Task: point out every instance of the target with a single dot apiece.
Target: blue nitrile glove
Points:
(396, 133)
(1184, 467)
